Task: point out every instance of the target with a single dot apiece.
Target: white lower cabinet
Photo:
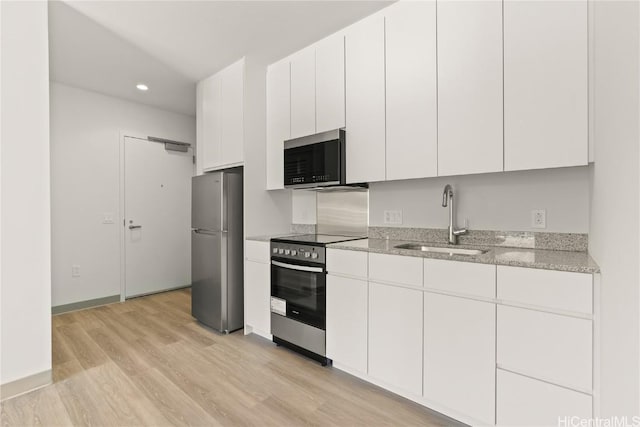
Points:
(547, 346)
(524, 401)
(347, 322)
(395, 336)
(459, 355)
(257, 289)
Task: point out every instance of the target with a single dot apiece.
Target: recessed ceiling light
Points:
(142, 86)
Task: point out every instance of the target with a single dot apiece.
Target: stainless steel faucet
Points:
(447, 200)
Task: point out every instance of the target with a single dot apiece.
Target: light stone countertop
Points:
(578, 262)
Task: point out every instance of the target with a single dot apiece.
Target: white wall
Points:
(614, 236)
(266, 212)
(498, 201)
(85, 135)
(25, 346)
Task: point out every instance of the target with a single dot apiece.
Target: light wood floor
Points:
(147, 362)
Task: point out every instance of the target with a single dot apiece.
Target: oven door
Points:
(300, 291)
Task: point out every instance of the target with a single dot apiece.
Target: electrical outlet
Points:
(393, 217)
(75, 270)
(539, 218)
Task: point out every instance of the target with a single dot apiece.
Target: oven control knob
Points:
(280, 251)
(314, 255)
(275, 250)
(287, 251)
(307, 254)
(294, 252)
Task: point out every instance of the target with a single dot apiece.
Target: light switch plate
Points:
(393, 217)
(107, 218)
(75, 270)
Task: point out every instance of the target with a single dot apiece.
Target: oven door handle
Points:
(298, 267)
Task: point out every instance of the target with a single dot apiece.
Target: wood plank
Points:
(173, 403)
(40, 408)
(83, 348)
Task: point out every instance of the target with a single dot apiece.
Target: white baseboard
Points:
(25, 385)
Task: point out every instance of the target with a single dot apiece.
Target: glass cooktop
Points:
(319, 239)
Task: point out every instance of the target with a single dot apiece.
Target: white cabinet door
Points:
(547, 346)
(524, 401)
(210, 122)
(303, 93)
(257, 297)
(460, 355)
(278, 121)
(231, 116)
(347, 322)
(411, 97)
(365, 100)
(330, 83)
(470, 136)
(545, 84)
(395, 336)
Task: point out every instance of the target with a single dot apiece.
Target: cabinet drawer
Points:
(399, 269)
(460, 277)
(548, 346)
(546, 288)
(351, 263)
(257, 251)
(525, 401)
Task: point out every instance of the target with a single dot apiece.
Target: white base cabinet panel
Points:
(524, 401)
(548, 346)
(395, 336)
(347, 322)
(257, 288)
(459, 354)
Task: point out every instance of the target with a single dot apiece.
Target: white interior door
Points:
(157, 217)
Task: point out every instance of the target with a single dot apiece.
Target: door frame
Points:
(121, 202)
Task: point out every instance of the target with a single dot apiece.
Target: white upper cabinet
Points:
(209, 120)
(470, 125)
(220, 118)
(365, 101)
(278, 121)
(411, 92)
(330, 83)
(232, 133)
(303, 93)
(545, 84)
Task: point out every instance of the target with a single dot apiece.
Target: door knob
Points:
(133, 227)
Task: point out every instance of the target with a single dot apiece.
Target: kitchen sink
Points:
(451, 251)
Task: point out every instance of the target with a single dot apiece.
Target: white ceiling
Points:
(109, 46)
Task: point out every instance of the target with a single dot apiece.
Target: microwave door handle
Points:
(298, 267)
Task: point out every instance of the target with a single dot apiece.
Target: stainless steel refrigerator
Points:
(216, 250)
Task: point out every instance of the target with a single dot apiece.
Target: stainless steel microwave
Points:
(315, 160)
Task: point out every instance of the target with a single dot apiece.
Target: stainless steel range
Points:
(298, 292)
